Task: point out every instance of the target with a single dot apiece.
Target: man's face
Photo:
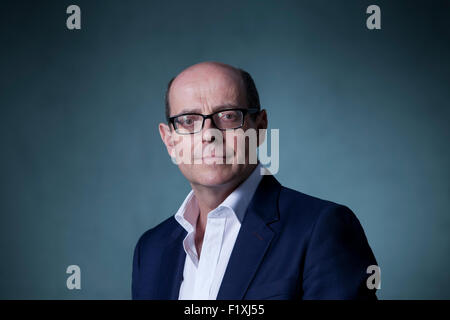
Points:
(207, 89)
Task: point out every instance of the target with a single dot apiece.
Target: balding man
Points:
(239, 234)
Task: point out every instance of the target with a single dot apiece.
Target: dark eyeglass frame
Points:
(210, 116)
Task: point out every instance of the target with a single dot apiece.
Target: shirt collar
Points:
(237, 201)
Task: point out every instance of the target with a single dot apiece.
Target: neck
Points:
(209, 197)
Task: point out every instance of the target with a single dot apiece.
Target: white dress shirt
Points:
(202, 277)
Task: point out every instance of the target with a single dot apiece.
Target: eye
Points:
(187, 120)
(227, 115)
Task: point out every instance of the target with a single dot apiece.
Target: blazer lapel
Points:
(172, 266)
(253, 240)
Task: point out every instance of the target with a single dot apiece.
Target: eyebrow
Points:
(199, 110)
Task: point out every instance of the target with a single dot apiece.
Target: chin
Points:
(211, 174)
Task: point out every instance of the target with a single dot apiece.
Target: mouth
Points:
(212, 156)
(213, 159)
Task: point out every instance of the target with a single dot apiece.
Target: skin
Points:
(202, 88)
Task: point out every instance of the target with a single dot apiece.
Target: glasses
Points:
(228, 119)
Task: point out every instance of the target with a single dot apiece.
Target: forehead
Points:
(206, 89)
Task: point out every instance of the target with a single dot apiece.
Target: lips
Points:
(211, 156)
(213, 160)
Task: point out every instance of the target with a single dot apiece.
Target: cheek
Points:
(239, 143)
(191, 145)
(183, 144)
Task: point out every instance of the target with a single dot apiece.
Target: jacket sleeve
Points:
(337, 258)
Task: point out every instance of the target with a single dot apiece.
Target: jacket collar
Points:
(253, 240)
(251, 244)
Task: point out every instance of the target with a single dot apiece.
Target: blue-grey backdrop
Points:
(363, 118)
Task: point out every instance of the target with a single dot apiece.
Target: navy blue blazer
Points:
(290, 246)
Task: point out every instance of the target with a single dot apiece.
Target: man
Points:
(240, 234)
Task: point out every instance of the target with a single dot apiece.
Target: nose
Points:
(206, 134)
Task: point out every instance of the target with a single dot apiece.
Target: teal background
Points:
(363, 118)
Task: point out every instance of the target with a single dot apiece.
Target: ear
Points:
(261, 120)
(261, 123)
(166, 137)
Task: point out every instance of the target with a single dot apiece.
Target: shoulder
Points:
(158, 235)
(298, 208)
(290, 197)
